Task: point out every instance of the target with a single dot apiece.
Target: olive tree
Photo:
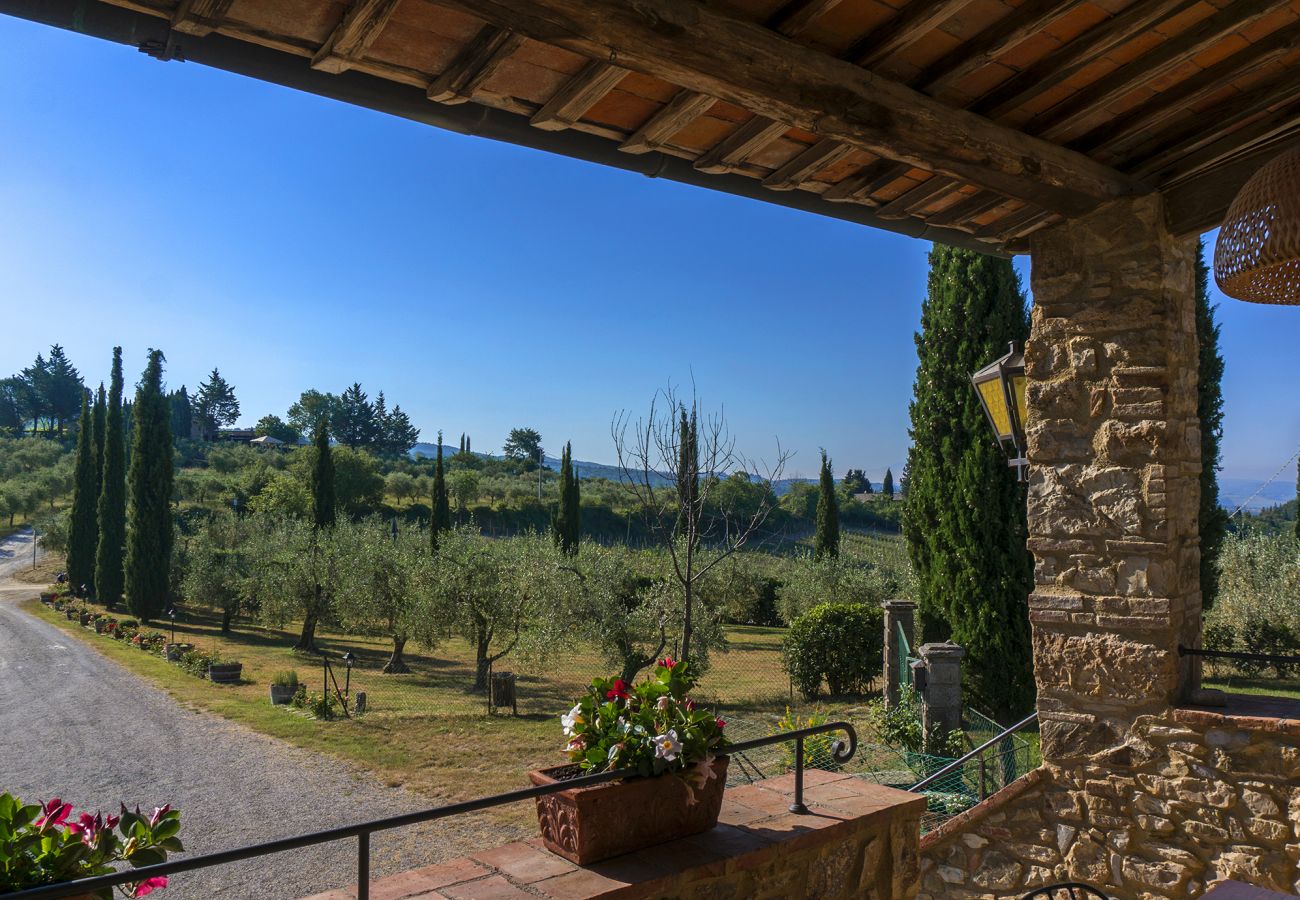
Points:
(295, 570)
(218, 567)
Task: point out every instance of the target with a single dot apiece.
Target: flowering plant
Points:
(42, 844)
(652, 727)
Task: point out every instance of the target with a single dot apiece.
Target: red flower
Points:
(158, 813)
(619, 690)
(56, 812)
(667, 662)
(149, 885)
(721, 724)
(690, 705)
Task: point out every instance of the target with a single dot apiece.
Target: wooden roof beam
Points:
(798, 16)
(579, 94)
(1149, 66)
(859, 187)
(475, 64)
(672, 118)
(354, 34)
(730, 152)
(751, 66)
(961, 212)
(805, 164)
(1200, 203)
(913, 22)
(199, 17)
(913, 199)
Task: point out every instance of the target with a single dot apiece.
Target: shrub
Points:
(285, 679)
(196, 662)
(899, 726)
(817, 749)
(840, 643)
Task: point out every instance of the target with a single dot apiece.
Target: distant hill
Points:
(1235, 491)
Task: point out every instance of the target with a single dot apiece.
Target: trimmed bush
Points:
(839, 643)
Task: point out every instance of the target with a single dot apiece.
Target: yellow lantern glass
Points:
(1000, 387)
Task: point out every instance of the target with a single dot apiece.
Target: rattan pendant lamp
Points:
(1258, 255)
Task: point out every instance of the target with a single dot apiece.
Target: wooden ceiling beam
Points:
(199, 17)
(912, 200)
(747, 64)
(579, 94)
(1166, 56)
(796, 17)
(1019, 25)
(1200, 203)
(1243, 128)
(960, 213)
(475, 64)
(806, 164)
(1066, 61)
(679, 112)
(730, 152)
(859, 187)
(913, 22)
(354, 34)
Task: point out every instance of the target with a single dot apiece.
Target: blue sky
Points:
(298, 242)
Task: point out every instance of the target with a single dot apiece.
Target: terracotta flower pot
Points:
(586, 825)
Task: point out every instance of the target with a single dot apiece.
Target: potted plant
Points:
(42, 847)
(176, 652)
(224, 672)
(85, 616)
(654, 729)
(283, 686)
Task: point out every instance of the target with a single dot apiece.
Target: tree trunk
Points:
(686, 619)
(227, 614)
(396, 665)
(481, 662)
(307, 640)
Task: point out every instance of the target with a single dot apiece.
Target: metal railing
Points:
(976, 754)
(1269, 658)
(841, 752)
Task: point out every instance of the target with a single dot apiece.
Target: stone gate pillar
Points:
(1114, 448)
(898, 614)
(941, 695)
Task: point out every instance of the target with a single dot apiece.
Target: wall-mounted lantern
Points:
(1000, 387)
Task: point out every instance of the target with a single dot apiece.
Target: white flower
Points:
(667, 747)
(664, 702)
(572, 720)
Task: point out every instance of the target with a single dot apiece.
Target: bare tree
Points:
(672, 461)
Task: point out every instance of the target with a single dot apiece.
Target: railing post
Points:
(984, 791)
(363, 866)
(899, 614)
(798, 805)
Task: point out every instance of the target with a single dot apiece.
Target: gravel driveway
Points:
(76, 725)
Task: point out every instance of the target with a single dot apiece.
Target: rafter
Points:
(1149, 66)
(913, 22)
(680, 111)
(963, 211)
(805, 164)
(199, 17)
(1199, 203)
(913, 199)
(1239, 126)
(710, 53)
(579, 94)
(354, 34)
(796, 17)
(859, 187)
(475, 64)
(730, 152)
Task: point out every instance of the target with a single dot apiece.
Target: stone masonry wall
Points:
(1114, 448)
(1190, 799)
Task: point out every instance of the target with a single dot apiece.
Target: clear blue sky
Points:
(298, 242)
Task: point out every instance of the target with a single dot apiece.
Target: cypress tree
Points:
(565, 525)
(109, 563)
(887, 486)
(322, 479)
(965, 516)
(81, 527)
(97, 417)
(826, 542)
(441, 510)
(1209, 406)
(1297, 493)
(688, 470)
(149, 493)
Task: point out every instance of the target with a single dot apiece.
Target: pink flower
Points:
(618, 691)
(663, 702)
(56, 812)
(667, 662)
(149, 885)
(721, 724)
(690, 705)
(158, 813)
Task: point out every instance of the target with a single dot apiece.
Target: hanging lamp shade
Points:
(1258, 255)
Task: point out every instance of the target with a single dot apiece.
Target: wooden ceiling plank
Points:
(909, 201)
(797, 17)
(199, 17)
(709, 52)
(672, 118)
(908, 26)
(475, 64)
(1138, 125)
(731, 151)
(1019, 25)
(961, 212)
(579, 94)
(817, 157)
(859, 187)
(354, 34)
(1149, 66)
(1200, 203)
(1008, 224)
(1241, 131)
(1064, 62)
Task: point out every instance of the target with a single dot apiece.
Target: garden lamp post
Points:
(348, 660)
(1000, 387)
(171, 614)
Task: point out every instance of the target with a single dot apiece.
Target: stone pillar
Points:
(897, 613)
(1114, 452)
(941, 695)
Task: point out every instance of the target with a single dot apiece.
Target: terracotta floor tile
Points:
(524, 863)
(494, 888)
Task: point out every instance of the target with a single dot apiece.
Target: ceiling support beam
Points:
(859, 188)
(913, 22)
(1200, 203)
(730, 152)
(475, 64)
(751, 66)
(579, 94)
(913, 199)
(806, 164)
(199, 17)
(795, 18)
(356, 31)
(683, 109)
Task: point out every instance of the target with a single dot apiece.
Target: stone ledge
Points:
(1276, 715)
(963, 821)
(861, 835)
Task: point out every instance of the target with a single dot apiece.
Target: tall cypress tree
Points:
(887, 486)
(1209, 406)
(965, 517)
(826, 542)
(81, 527)
(322, 479)
(441, 510)
(109, 561)
(565, 525)
(98, 415)
(149, 493)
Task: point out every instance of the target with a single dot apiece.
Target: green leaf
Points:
(147, 856)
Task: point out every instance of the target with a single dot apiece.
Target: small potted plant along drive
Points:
(43, 844)
(654, 729)
(283, 686)
(224, 671)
